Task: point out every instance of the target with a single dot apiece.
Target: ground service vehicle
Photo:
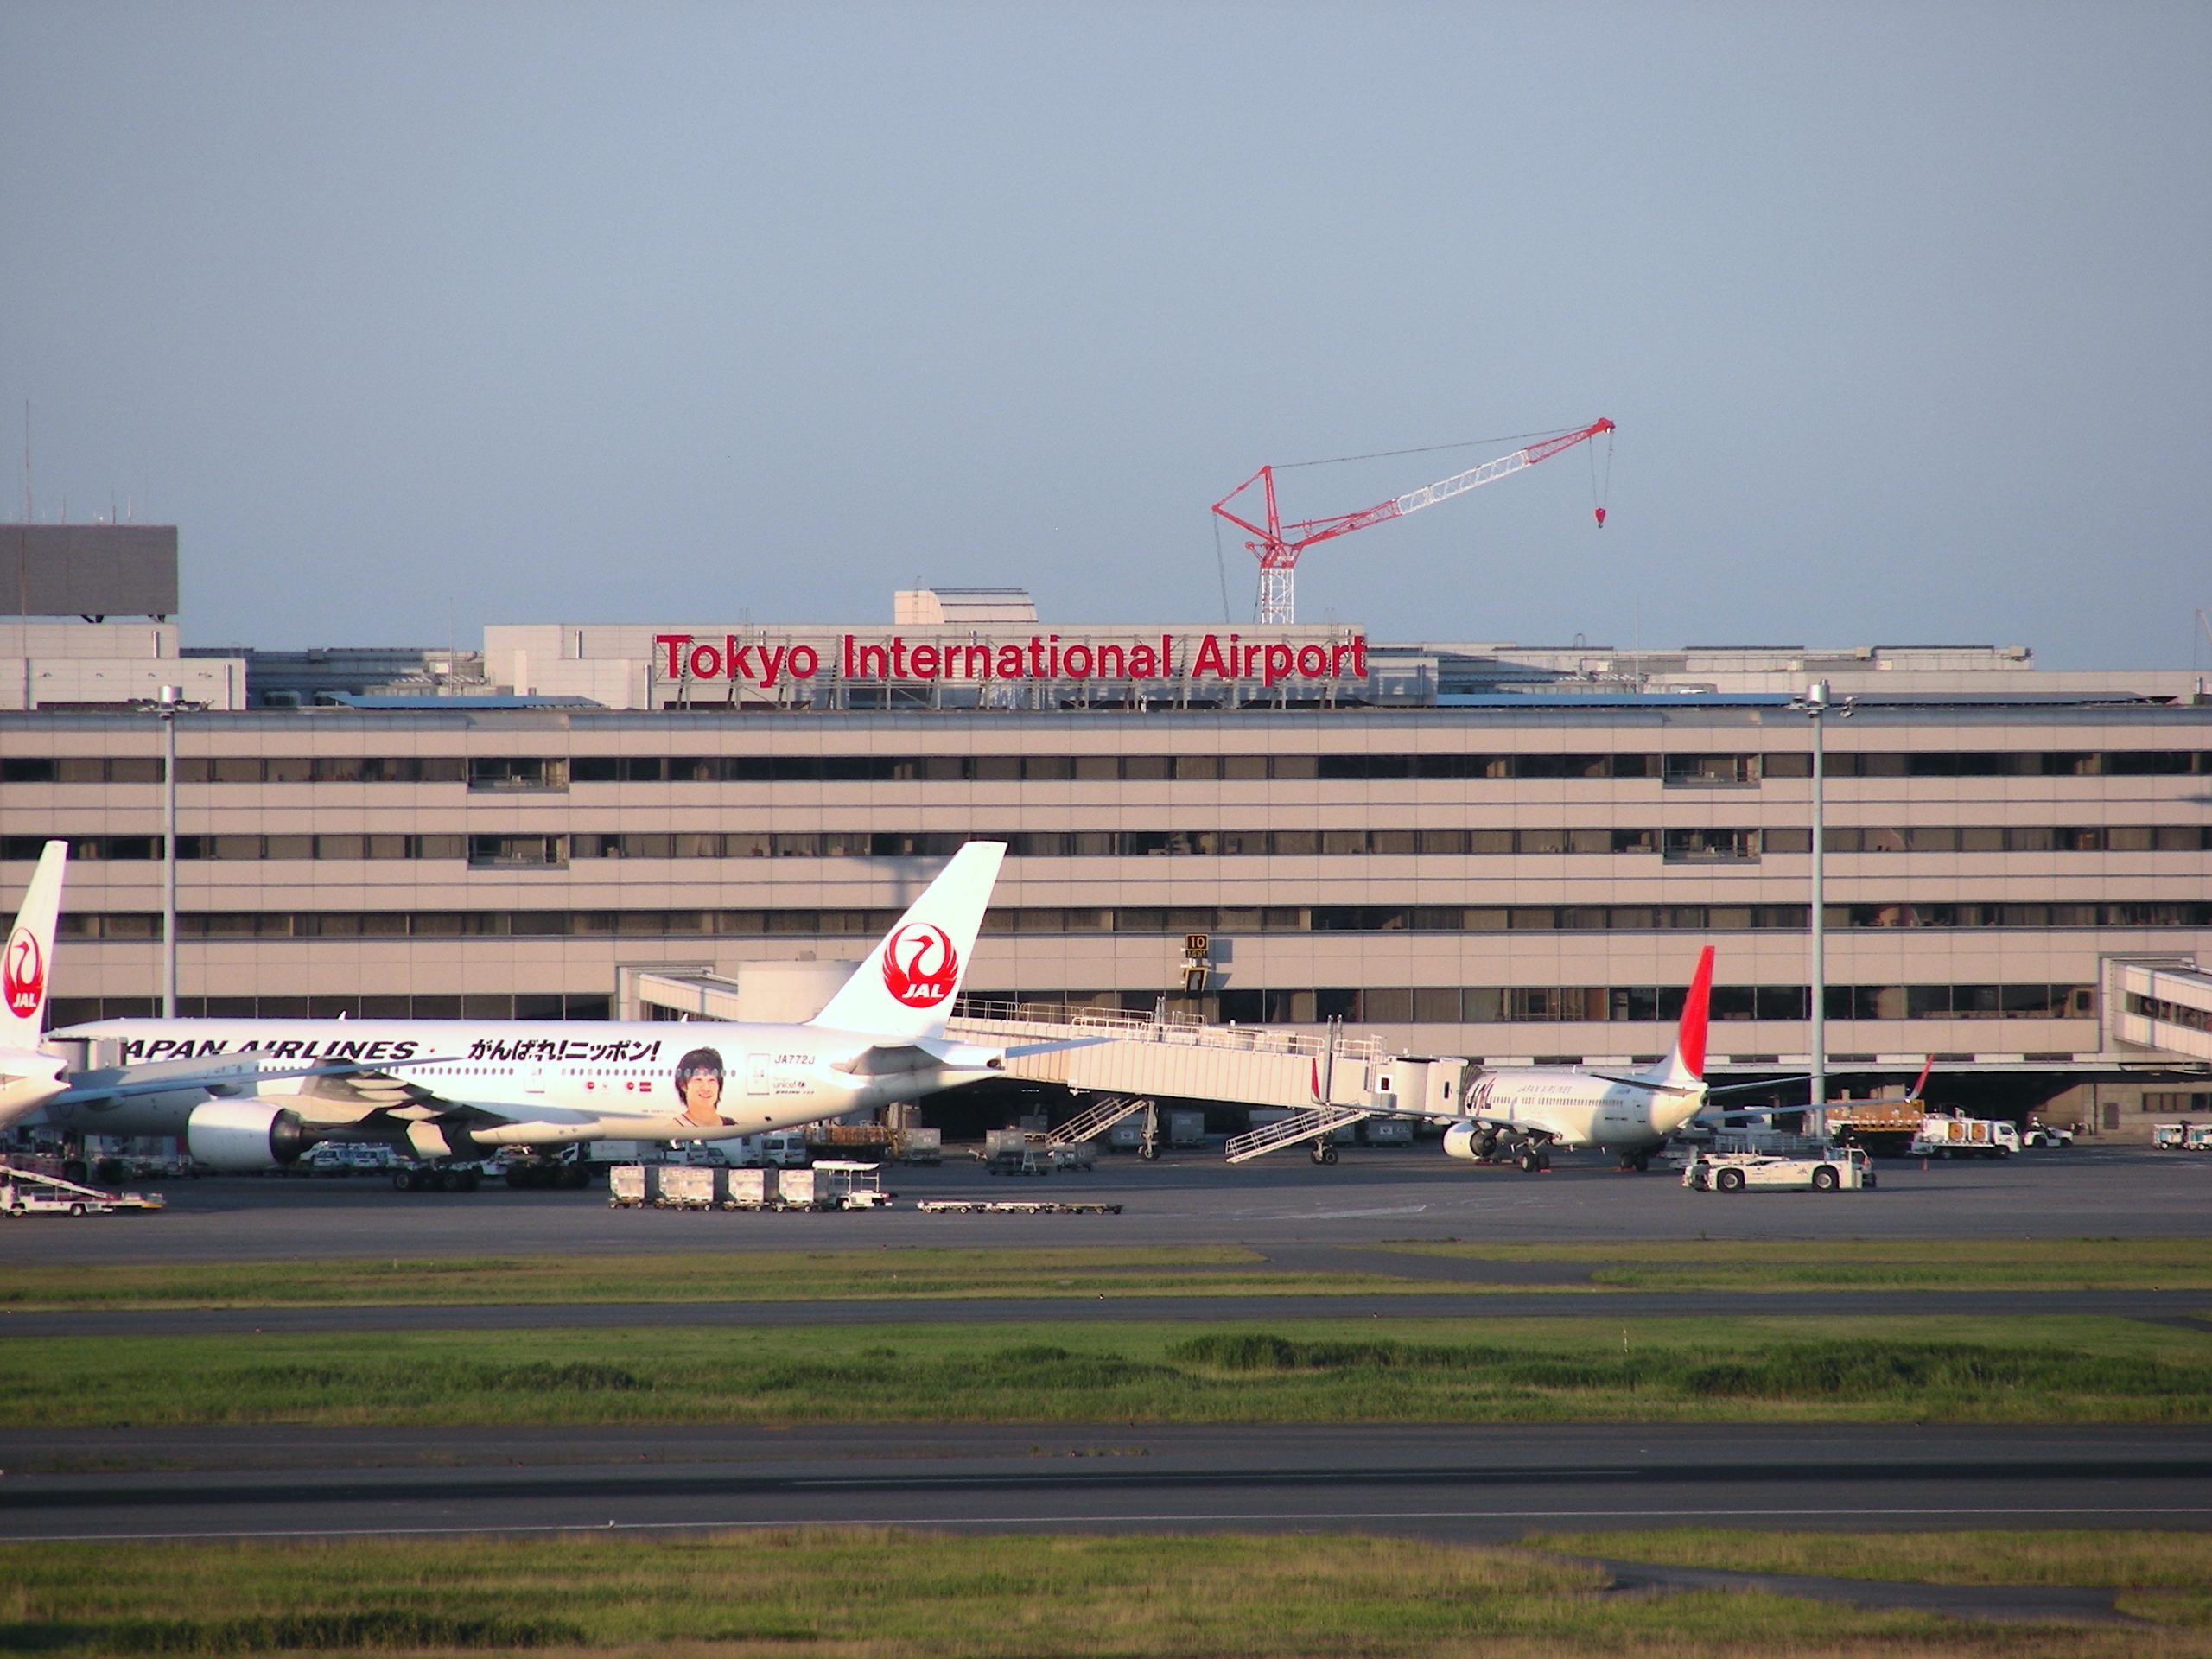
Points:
(1942, 1135)
(1845, 1169)
(2182, 1137)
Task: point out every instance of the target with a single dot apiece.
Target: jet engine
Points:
(1470, 1142)
(245, 1134)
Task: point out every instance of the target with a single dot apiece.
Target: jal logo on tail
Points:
(920, 965)
(22, 974)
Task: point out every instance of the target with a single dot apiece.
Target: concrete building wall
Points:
(282, 904)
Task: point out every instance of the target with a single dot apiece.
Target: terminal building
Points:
(1473, 849)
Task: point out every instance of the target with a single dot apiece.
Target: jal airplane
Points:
(1523, 1112)
(460, 1089)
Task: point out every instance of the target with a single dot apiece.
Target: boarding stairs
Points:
(1092, 1122)
(1301, 1126)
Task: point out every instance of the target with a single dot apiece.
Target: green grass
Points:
(1867, 1264)
(783, 1276)
(897, 1595)
(1093, 1271)
(1884, 1369)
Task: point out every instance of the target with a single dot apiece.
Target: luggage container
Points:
(682, 1187)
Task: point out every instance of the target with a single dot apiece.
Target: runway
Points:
(1443, 1483)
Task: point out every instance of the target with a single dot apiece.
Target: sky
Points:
(418, 317)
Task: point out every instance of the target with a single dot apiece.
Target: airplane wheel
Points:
(1329, 1156)
(1149, 1153)
(1529, 1163)
(1642, 1162)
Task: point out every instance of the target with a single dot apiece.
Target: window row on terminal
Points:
(1689, 845)
(556, 772)
(1472, 1005)
(1226, 920)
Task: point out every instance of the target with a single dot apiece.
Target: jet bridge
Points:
(1140, 1058)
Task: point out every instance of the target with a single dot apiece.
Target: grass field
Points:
(1878, 1369)
(1867, 1264)
(952, 1275)
(889, 1595)
(777, 1276)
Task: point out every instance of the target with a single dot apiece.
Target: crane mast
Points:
(1277, 545)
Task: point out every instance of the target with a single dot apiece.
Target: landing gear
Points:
(439, 1179)
(1323, 1154)
(1635, 1162)
(1536, 1159)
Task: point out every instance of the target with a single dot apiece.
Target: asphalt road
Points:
(1443, 1483)
(1186, 1198)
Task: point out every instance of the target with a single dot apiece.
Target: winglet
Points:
(27, 965)
(905, 988)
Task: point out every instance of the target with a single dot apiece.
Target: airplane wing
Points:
(226, 1079)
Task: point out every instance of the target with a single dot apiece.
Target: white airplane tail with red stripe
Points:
(904, 990)
(1685, 1067)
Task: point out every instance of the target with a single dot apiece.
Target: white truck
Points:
(1944, 1135)
(1844, 1169)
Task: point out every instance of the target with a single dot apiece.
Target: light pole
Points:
(1815, 705)
(1816, 1123)
(166, 710)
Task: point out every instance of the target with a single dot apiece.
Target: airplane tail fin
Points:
(27, 1079)
(1687, 1063)
(26, 967)
(905, 987)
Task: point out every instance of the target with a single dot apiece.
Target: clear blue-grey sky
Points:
(416, 317)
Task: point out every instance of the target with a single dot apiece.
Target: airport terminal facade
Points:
(1513, 855)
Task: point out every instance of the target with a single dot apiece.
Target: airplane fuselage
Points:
(554, 1082)
(1580, 1108)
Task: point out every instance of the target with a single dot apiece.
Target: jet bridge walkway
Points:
(1140, 1058)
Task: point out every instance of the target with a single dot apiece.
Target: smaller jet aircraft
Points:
(1520, 1113)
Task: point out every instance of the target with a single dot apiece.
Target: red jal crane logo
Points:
(920, 965)
(23, 974)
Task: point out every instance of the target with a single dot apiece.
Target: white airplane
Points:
(460, 1089)
(1521, 1113)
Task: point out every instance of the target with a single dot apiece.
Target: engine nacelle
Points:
(245, 1134)
(1469, 1142)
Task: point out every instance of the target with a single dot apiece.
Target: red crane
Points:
(1280, 544)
